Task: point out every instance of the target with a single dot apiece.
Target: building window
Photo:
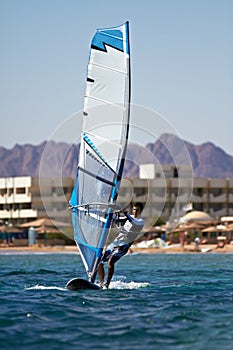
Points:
(216, 191)
(10, 191)
(198, 206)
(160, 192)
(140, 191)
(26, 206)
(20, 190)
(216, 206)
(3, 191)
(175, 172)
(198, 192)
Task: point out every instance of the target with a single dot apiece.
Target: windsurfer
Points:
(119, 247)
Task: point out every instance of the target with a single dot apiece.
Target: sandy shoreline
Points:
(73, 249)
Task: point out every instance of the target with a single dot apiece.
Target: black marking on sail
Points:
(98, 160)
(97, 155)
(96, 176)
(85, 113)
(90, 80)
(94, 47)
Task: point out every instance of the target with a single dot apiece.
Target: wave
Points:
(46, 271)
(22, 272)
(113, 285)
(127, 285)
(15, 273)
(39, 287)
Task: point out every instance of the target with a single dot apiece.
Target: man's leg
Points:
(110, 272)
(121, 251)
(101, 274)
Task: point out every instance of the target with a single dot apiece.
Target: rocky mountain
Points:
(52, 159)
(207, 159)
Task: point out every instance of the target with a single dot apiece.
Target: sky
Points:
(181, 65)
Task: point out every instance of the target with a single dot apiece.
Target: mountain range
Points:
(207, 160)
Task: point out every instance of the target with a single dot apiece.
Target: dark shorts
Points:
(115, 253)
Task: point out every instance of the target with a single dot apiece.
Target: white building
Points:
(23, 199)
(16, 199)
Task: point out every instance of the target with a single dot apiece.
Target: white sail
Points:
(103, 143)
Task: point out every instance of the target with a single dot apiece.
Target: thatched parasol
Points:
(44, 222)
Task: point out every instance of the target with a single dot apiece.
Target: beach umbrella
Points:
(212, 222)
(209, 229)
(46, 225)
(197, 216)
(221, 228)
(218, 228)
(227, 219)
(229, 228)
(155, 229)
(47, 229)
(188, 227)
(45, 222)
(195, 225)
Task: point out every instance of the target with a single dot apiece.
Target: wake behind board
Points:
(80, 283)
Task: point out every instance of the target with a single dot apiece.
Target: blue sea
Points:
(160, 301)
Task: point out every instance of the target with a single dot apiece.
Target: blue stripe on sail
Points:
(78, 233)
(112, 37)
(106, 227)
(81, 242)
(89, 254)
(116, 33)
(92, 145)
(108, 218)
(114, 190)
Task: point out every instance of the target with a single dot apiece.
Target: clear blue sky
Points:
(182, 63)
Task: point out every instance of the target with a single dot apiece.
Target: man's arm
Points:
(134, 222)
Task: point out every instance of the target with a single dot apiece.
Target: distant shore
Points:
(189, 248)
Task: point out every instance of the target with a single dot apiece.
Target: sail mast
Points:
(103, 142)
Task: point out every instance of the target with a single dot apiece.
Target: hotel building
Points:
(164, 193)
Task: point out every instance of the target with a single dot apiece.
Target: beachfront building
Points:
(166, 190)
(165, 193)
(16, 200)
(23, 199)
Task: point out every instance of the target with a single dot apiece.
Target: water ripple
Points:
(172, 302)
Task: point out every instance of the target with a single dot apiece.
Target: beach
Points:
(188, 248)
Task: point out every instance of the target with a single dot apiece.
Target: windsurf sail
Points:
(103, 143)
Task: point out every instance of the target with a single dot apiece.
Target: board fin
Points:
(80, 283)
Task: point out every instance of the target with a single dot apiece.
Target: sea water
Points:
(160, 301)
